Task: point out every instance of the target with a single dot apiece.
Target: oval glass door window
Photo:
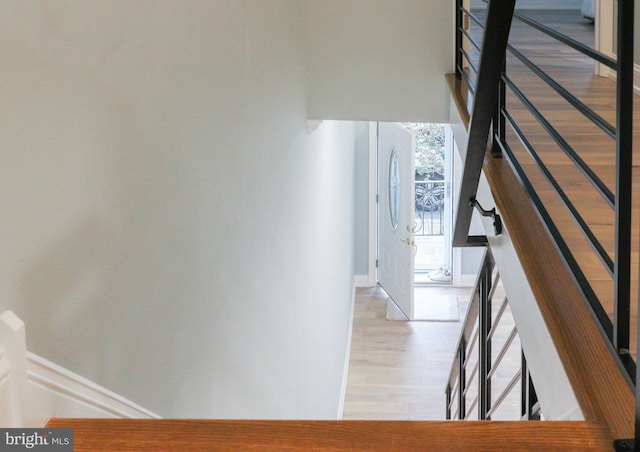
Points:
(394, 189)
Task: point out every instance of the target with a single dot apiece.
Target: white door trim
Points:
(370, 278)
(373, 204)
(604, 34)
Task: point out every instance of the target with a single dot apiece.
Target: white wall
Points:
(470, 257)
(382, 60)
(170, 230)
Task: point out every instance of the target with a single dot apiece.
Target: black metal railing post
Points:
(499, 122)
(529, 397)
(458, 50)
(524, 396)
(624, 163)
(637, 392)
(624, 160)
(462, 386)
(484, 341)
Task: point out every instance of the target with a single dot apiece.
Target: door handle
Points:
(412, 244)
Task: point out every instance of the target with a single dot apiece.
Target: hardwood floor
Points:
(397, 369)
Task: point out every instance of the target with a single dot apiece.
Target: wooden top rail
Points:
(206, 435)
(597, 381)
(461, 97)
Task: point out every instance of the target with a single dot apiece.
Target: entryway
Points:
(414, 212)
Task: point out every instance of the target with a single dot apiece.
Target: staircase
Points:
(590, 361)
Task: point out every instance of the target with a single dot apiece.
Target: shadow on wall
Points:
(82, 187)
(61, 292)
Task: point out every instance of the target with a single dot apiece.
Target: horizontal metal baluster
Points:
(514, 381)
(496, 322)
(469, 412)
(503, 352)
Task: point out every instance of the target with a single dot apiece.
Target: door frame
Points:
(373, 204)
(604, 34)
(604, 30)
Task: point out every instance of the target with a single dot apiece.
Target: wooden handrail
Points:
(598, 382)
(206, 435)
(461, 97)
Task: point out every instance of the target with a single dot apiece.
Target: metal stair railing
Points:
(479, 357)
(489, 83)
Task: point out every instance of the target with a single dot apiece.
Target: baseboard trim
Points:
(347, 357)
(468, 280)
(56, 392)
(636, 77)
(363, 281)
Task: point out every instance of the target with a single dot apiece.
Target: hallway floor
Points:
(398, 370)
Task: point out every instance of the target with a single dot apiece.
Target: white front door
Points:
(396, 192)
